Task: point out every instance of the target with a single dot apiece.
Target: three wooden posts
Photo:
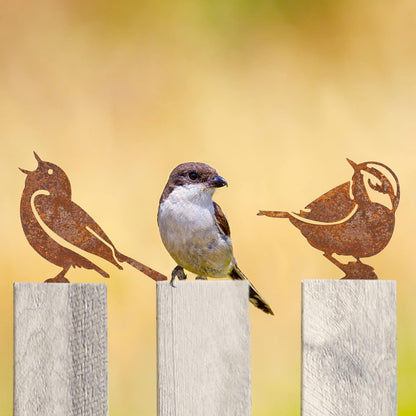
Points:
(203, 349)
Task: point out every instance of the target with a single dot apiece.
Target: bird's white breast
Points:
(189, 232)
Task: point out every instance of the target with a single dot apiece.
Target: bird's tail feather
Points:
(90, 265)
(255, 297)
(275, 214)
(153, 274)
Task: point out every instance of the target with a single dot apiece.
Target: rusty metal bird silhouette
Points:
(354, 219)
(49, 216)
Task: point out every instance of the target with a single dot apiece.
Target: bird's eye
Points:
(50, 171)
(193, 176)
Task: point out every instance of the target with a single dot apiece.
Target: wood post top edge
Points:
(348, 281)
(203, 282)
(72, 285)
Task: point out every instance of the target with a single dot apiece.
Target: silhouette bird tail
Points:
(255, 297)
(275, 214)
(153, 274)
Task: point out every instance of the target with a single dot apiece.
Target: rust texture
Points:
(354, 219)
(49, 217)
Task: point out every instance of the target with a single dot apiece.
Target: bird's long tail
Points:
(275, 214)
(255, 297)
(153, 274)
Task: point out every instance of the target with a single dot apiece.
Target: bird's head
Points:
(375, 182)
(193, 180)
(48, 177)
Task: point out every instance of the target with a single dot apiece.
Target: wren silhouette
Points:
(48, 214)
(352, 219)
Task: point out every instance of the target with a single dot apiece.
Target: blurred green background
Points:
(274, 94)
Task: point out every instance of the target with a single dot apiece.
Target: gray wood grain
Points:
(60, 349)
(349, 348)
(204, 366)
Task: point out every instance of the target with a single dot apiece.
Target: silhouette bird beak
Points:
(37, 157)
(217, 182)
(25, 171)
(30, 171)
(353, 164)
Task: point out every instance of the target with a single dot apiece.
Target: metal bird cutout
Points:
(50, 218)
(354, 219)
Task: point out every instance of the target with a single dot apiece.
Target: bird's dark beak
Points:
(353, 164)
(217, 182)
(25, 171)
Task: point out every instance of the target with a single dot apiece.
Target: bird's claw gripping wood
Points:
(179, 273)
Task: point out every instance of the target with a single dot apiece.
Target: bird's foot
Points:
(179, 273)
(60, 278)
(57, 279)
(354, 270)
(358, 270)
(201, 278)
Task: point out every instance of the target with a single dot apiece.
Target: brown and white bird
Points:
(354, 219)
(194, 229)
(60, 230)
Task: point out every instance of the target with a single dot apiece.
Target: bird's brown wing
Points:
(70, 222)
(236, 273)
(221, 219)
(332, 206)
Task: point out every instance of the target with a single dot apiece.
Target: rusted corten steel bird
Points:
(50, 218)
(354, 219)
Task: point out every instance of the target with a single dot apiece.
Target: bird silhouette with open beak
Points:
(60, 230)
(194, 229)
(354, 219)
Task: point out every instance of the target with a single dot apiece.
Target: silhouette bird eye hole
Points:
(50, 171)
(193, 176)
(375, 183)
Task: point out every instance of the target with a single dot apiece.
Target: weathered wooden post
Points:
(349, 348)
(204, 366)
(60, 349)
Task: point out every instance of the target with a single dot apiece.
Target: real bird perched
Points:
(354, 219)
(49, 217)
(194, 229)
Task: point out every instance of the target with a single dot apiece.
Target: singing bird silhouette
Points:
(48, 214)
(354, 219)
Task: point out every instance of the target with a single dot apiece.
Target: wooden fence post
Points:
(203, 335)
(349, 348)
(60, 349)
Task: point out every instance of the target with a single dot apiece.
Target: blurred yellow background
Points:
(273, 94)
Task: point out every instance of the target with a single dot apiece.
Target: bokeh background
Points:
(273, 93)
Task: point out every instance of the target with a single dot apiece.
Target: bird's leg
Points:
(179, 273)
(335, 261)
(354, 270)
(361, 271)
(201, 278)
(60, 278)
